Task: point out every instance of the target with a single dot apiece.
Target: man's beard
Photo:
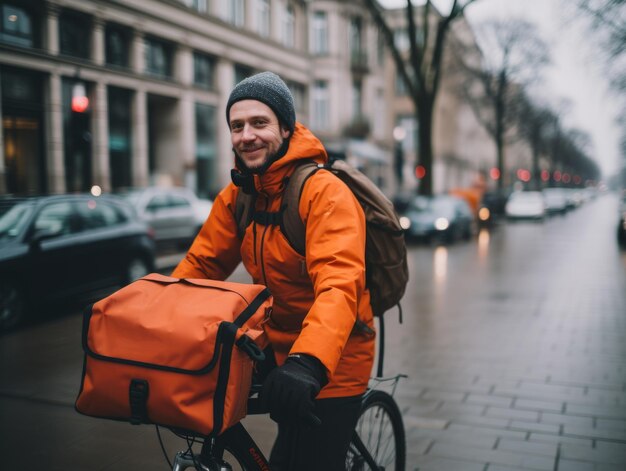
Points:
(269, 160)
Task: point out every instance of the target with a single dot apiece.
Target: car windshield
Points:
(131, 196)
(436, 206)
(13, 221)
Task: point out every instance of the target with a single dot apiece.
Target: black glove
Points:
(289, 391)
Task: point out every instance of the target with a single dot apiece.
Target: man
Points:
(324, 365)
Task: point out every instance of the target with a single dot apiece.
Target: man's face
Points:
(255, 132)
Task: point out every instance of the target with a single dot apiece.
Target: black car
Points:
(491, 207)
(61, 248)
(439, 218)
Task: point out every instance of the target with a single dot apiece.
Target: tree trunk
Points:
(424, 115)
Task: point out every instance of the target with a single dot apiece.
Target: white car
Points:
(175, 214)
(556, 200)
(526, 205)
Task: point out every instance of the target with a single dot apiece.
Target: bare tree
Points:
(534, 125)
(513, 56)
(421, 73)
(607, 23)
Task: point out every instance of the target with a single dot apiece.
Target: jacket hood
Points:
(303, 145)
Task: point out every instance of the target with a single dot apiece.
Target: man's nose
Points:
(248, 133)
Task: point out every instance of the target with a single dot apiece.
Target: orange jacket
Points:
(317, 298)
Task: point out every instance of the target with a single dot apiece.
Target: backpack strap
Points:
(292, 225)
(244, 211)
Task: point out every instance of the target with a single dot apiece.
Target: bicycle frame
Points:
(242, 446)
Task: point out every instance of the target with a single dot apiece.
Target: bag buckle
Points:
(246, 344)
(138, 392)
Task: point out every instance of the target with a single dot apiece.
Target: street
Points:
(513, 343)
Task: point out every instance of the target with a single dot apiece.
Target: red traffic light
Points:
(80, 102)
(420, 172)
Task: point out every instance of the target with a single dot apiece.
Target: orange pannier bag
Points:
(173, 352)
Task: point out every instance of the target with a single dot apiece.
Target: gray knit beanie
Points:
(268, 88)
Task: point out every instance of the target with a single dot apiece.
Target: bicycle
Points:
(378, 442)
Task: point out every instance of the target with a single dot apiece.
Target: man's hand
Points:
(289, 391)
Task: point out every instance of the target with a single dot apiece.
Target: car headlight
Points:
(441, 224)
(405, 222)
(483, 214)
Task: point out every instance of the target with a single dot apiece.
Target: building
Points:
(118, 94)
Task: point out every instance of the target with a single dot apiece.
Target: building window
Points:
(234, 12)
(119, 108)
(117, 45)
(158, 58)
(357, 109)
(321, 101)
(263, 17)
(288, 33)
(299, 96)
(74, 34)
(198, 5)
(319, 41)
(203, 70)
(207, 184)
(242, 72)
(16, 27)
(354, 37)
(380, 49)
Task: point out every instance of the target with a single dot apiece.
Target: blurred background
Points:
(496, 127)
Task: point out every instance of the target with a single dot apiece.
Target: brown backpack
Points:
(173, 352)
(386, 269)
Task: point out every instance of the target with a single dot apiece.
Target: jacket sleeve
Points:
(215, 252)
(335, 258)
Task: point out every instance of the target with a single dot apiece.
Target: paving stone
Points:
(525, 404)
(560, 439)
(502, 412)
(530, 447)
(566, 419)
(587, 432)
(436, 463)
(607, 412)
(477, 438)
(489, 400)
(492, 456)
(570, 465)
(606, 453)
(496, 432)
(610, 424)
(534, 427)
(447, 396)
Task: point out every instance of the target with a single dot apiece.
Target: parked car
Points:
(555, 200)
(63, 247)
(175, 214)
(526, 205)
(621, 225)
(442, 218)
(491, 207)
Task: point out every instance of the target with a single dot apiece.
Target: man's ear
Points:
(284, 132)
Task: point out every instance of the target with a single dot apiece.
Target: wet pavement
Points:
(514, 344)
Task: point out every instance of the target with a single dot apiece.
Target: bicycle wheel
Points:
(381, 431)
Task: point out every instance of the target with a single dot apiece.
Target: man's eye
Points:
(259, 123)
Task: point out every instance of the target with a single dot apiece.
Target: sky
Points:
(575, 75)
